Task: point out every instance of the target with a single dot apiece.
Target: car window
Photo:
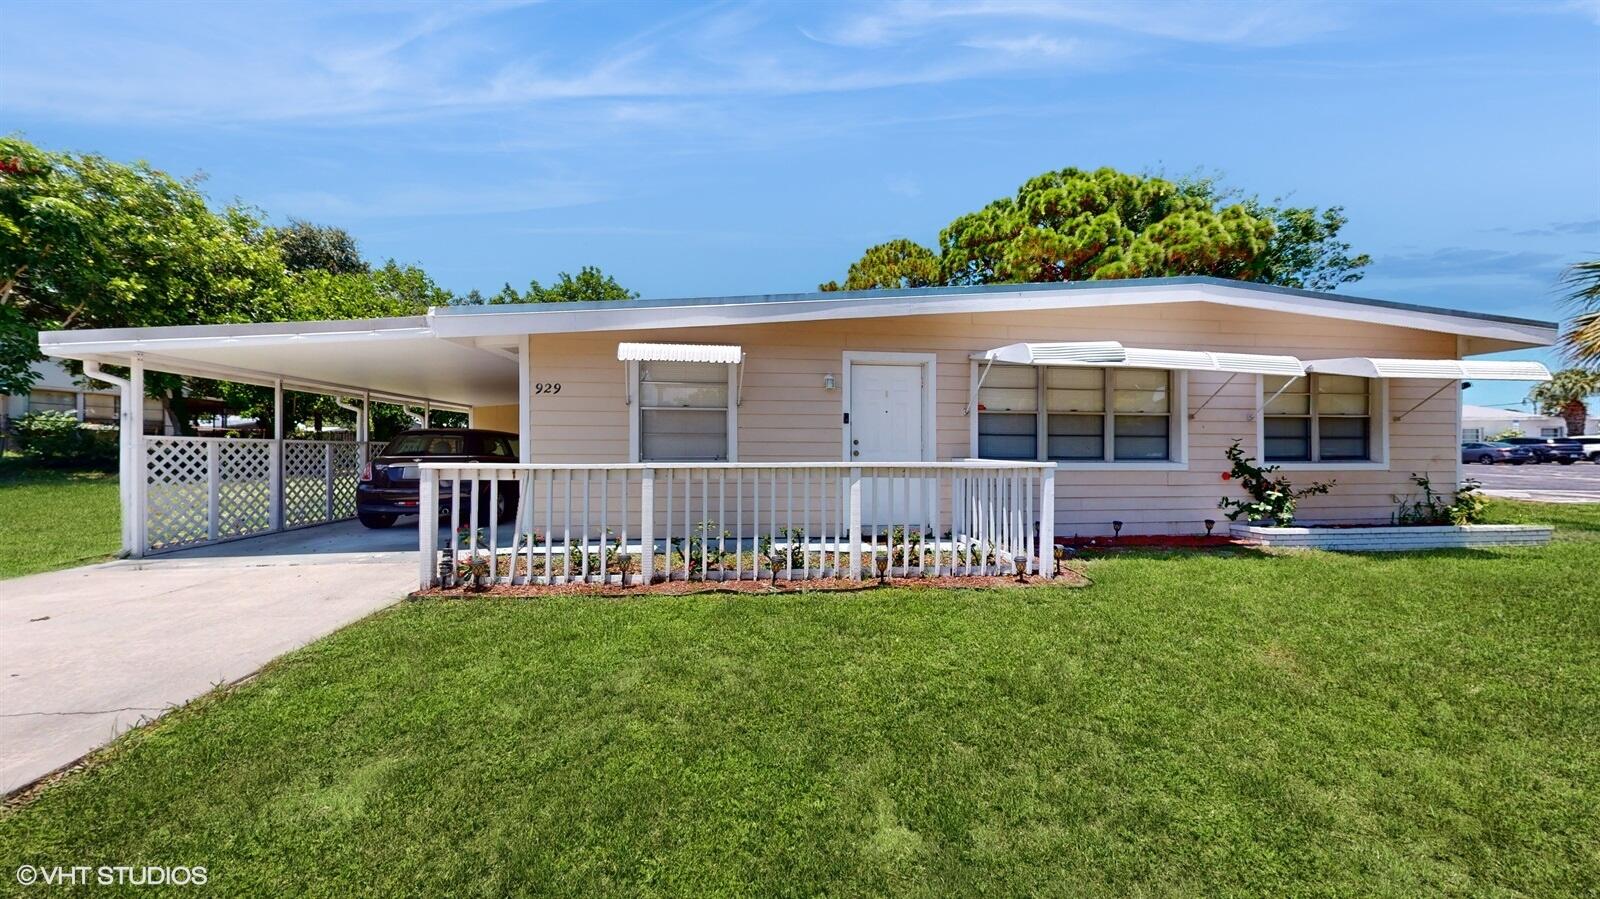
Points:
(427, 445)
(500, 447)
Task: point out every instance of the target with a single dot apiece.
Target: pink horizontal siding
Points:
(787, 415)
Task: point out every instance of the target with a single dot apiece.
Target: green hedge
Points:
(58, 438)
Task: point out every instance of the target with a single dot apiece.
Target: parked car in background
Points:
(1491, 453)
(1550, 449)
(1590, 443)
(390, 486)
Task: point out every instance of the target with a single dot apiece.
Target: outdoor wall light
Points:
(827, 381)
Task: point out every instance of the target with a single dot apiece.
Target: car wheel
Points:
(377, 520)
(1486, 459)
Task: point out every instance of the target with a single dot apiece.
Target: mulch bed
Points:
(1068, 578)
(1153, 541)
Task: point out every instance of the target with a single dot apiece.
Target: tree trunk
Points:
(1577, 415)
(316, 423)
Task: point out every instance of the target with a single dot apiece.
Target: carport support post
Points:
(275, 477)
(1047, 521)
(525, 403)
(138, 467)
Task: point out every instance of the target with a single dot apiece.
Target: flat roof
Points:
(843, 297)
(460, 354)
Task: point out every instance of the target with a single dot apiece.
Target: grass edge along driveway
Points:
(1195, 723)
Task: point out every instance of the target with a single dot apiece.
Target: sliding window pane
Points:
(1140, 437)
(1287, 439)
(1343, 439)
(1140, 390)
(1007, 436)
(1080, 437)
(687, 435)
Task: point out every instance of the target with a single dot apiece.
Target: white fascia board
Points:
(1432, 369)
(712, 314)
(78, 344)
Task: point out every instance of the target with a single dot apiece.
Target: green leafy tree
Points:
(90, 243)
(1581, 339)
(1077, 225)
(306, 247)
(589, 285)
(1566, 394)
(895, 264)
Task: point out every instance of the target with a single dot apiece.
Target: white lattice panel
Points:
(175, 492)
(305, 483)
(347, 464)
(244, 487)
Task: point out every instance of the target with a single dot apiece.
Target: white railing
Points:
(200, 490)
(630, 524)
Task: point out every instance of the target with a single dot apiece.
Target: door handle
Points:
(855, 452)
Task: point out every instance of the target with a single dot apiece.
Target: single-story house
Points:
(1108, 405)
(1483, 422)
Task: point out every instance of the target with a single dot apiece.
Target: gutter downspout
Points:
(126, 440)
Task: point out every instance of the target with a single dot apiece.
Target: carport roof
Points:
(395, 359)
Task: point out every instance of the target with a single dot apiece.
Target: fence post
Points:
(327, 480)
(647, 526)
(1047, 521)
(854, 518)
(213, 486)
(428, 528)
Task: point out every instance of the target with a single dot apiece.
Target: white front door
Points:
(886, 427)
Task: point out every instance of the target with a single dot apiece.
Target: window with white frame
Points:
(52, 401)
(1550, 432)
(1472, 435)
(684, 411)
(1317, 418)
(1077, 414)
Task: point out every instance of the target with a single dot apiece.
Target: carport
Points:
(180, 492)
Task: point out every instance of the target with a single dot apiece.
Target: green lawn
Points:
(50, 518)
(1192, 724)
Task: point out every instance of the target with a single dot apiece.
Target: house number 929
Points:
(546, 387)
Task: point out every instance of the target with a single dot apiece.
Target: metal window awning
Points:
(1447, 369)
(679, 352)
(1112, 354)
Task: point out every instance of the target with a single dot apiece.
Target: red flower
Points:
(1226, 476)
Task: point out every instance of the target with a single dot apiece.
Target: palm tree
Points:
(1582, 338)
(1564, 395)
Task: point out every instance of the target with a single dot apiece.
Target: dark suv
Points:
(389, 486)
(1550, 449)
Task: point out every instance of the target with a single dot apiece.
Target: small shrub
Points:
(58, 438)
(1271, 498)
(1466, 506)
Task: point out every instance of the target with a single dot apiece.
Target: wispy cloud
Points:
(1253, 23)
(1467, 263)
(344, 64)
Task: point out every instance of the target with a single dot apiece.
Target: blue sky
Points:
(696, 149)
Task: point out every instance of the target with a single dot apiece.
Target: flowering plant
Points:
(1270, 498)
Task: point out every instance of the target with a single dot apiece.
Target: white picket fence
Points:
(200, 490)
(736, 521)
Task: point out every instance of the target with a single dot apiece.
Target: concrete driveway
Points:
(89, 652)
(1548, 483)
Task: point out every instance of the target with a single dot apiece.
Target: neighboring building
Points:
(1131, 391)
(56, 390)
(1482, 422)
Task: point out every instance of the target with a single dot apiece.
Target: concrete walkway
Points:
(89, 652)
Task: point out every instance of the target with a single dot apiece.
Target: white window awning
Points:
(679, 352)
(1447, 369)
(1109, 353)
